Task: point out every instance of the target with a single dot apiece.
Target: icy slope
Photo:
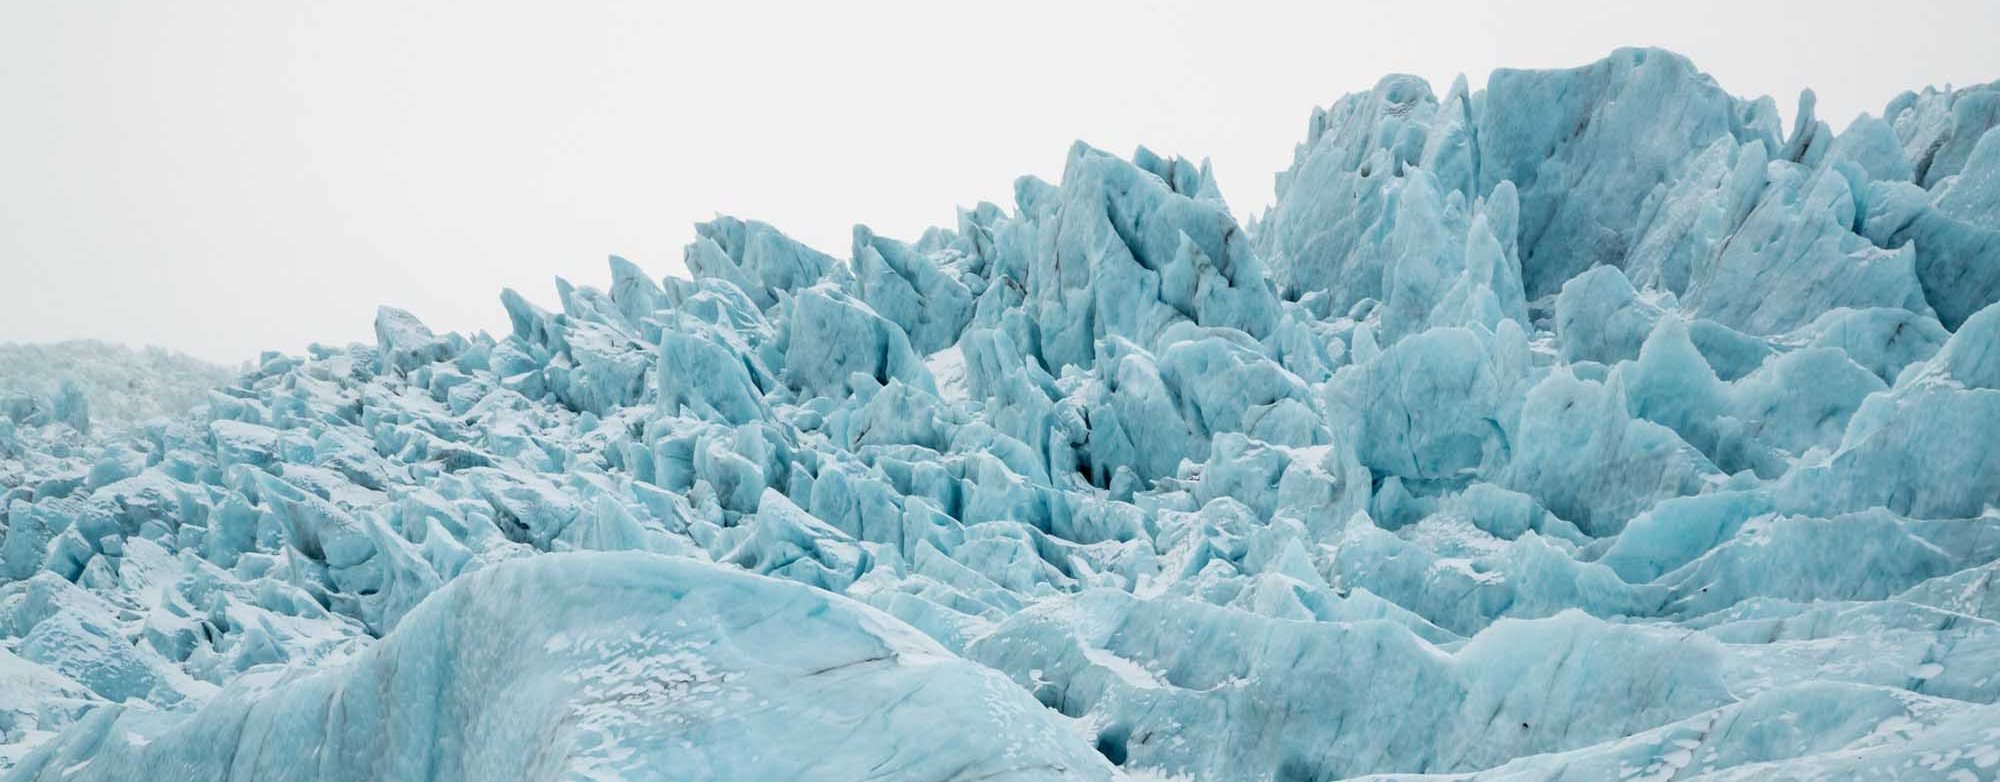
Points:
(55, 398)
(612, 666)
(120, 387)
(1591, 426)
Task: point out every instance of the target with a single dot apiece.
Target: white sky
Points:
(227, 177)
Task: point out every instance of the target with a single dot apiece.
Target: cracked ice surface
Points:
(1590, 426)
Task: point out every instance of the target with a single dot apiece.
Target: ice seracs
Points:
(1590, 425)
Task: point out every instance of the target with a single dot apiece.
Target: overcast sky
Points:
(229, 177)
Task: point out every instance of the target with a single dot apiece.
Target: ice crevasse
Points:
(1589, 426)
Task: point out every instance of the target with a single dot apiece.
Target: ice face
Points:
(1587, 426)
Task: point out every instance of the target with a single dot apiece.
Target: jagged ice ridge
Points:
(1586, 427)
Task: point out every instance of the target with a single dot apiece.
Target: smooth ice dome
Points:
(613, 666)
(1589, 426)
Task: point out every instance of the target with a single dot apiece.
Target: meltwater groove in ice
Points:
(1591, 425)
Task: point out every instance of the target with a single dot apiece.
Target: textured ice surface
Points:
(1591, 426)
(612, 666)
(119, 387)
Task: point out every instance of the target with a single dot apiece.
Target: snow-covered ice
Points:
(1589, 426)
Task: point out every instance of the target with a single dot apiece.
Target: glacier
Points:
(1592, 425)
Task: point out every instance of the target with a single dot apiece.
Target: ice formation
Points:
(1586, 427)
(99, 384)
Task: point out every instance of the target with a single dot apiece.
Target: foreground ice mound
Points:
(608, 666)
(1589, 426)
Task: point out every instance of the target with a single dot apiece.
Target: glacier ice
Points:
(612, 666)
(1587, 426)
(85, 383)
